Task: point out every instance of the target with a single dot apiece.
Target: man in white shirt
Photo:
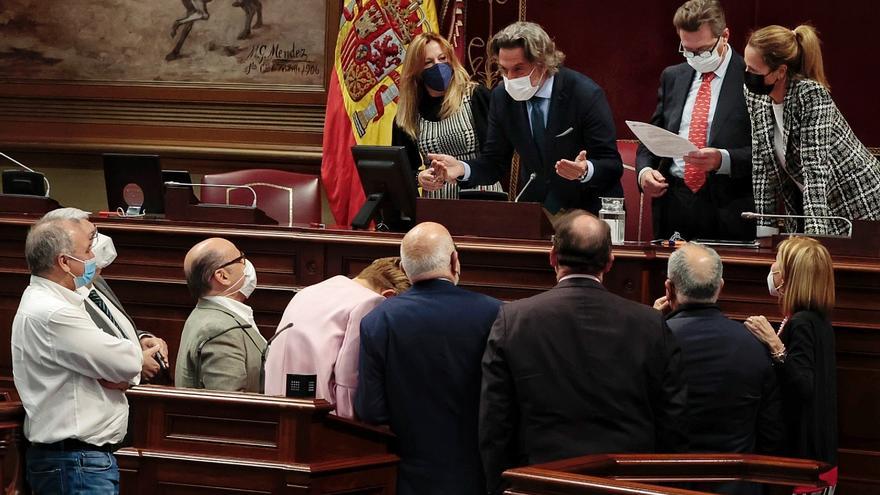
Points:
(221, 347)
(71, 376)
(101, 302)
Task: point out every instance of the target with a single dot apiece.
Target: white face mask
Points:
(105, 251)
(707, 64)
(520, 88)
(250, 281)
(771, 286)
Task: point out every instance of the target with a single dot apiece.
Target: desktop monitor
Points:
(134, 183)
(389, 185)
(24, 182)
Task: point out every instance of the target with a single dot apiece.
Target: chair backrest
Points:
(287, 197)
(639, 222)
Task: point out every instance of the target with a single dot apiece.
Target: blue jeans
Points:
(84, 472)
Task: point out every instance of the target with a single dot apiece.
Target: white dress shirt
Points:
(122, 321)
(58, 356)
(239, 309)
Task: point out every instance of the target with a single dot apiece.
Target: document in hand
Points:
(660, 141)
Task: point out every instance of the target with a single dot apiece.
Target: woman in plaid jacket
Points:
(802, 147)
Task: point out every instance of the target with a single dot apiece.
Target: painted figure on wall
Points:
(165, 41)
(197, 10)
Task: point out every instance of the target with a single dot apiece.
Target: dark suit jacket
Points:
(578, 370)
(100, 285)
(420, 374)
(579, 119)
(734, 404)
(731, 130)
(808, 379)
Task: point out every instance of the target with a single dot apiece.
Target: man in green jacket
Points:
(221, 346)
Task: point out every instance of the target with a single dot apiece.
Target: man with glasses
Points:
(71, 375)
(221, 346)
(702, 195)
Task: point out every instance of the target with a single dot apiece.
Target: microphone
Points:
(531, 178)
(228, 186)
(750, 215)
(263, 357)
(202, 345)
(13, 160)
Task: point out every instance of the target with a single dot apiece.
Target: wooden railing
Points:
(636, 474)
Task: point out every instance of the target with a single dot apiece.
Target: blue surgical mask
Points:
(438, 76)
(90, 267)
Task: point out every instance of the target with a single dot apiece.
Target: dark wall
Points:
(624, 45)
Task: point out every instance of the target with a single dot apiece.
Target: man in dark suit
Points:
(733, 401)
(558, 121)
(419, 369)
(578, 370)
(703, 194)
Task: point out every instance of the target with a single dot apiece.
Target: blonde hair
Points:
(808, 274)
(694, 13)
(799, 49)
(407, 117)
(534, 41)
(385, 273)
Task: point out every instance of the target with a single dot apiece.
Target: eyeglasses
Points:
(701, 54)
(240, 259)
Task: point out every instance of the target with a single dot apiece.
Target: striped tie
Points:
(695, 177)
(96, 298)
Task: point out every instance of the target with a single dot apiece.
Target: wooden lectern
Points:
(201, 441)
(862, 243)
(180, 205)
(27, 204)
(486, 218)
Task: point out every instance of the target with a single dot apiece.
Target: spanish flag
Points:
(362, 97)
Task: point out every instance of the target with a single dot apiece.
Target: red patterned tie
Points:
(695, 177)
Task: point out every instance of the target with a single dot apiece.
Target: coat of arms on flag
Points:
(361, 100)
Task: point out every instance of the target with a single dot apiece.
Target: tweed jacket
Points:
(839, 175)
(229, 360)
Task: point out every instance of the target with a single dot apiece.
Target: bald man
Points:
(420, 368)
(221, 346)
(578, 370)
(733, 400)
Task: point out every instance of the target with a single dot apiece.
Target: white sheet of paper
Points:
(660, 141)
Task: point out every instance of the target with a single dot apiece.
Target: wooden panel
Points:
(194, 442)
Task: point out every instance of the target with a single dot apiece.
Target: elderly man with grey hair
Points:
(733, 398)
(70, 374)
(556, 119)
(102, 304)
(420, 368)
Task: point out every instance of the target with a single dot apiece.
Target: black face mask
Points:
(755, 83)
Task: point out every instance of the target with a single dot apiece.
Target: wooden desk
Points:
(198, 441)
(148, 278)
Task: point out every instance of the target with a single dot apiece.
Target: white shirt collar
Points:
(580, 275)
(239, 308)
(546, 89)
(725, 63)
(73, 297)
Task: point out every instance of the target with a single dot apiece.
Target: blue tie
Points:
(536, 116)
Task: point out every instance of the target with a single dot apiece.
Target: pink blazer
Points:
(324, 340)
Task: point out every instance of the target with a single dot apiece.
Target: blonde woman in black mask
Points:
(440, 110)
(802, 147)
